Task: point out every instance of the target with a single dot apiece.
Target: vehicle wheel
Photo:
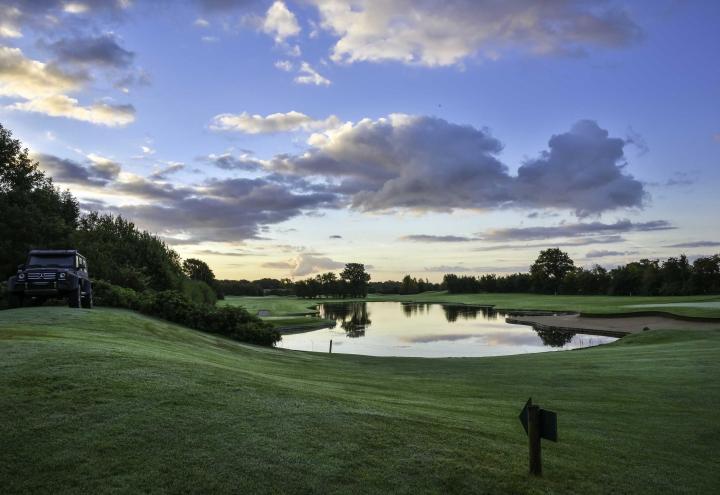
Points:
(74, 299)
(87, 301)
(15, 300)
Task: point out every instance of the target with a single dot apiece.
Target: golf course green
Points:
(103, 400)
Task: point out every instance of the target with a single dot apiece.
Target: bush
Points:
(232, 322)
(199, 292)
(114, 296)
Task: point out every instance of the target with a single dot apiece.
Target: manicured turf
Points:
(108, 400)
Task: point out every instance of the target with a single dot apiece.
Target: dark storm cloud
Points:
(427, 163)
(694, 244)
(436, 238)
(102, 50)
(572, 230)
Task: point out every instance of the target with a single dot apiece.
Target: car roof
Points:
(42, 252)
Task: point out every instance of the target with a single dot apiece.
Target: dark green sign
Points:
(548, 422)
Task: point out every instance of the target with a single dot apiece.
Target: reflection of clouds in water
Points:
(440, 337)
(489, 338)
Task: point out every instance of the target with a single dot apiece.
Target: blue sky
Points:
(287, 138)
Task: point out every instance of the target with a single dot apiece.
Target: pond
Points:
(428, 330)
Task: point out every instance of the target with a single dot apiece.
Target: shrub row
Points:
(233, 322)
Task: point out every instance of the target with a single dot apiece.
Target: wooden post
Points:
(330, 346)
(534, 427)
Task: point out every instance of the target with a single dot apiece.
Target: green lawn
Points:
(111, 401)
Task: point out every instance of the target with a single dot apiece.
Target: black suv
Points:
(52, 274)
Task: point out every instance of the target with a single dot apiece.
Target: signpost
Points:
(538, 424)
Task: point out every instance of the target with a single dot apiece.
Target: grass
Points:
(111, 401)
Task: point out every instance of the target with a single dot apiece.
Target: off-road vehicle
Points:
(52, 274)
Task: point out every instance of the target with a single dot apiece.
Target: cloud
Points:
(102, 50)
(305, 264)
(445, 33)
(426, 163)
(97, 172)
(65, 106)
(46, 15)
(609, 239)
(42, 86)
(280, 23)
(602, 253)
(436, 238)
(226, 161)
(26, 78)
(572, 230)
(284, 65)
(169, 169)
(217, 210)
(452, 269)
(308, 75)
(272, 123)
(336, 236)
(583, 170)
(694, 244)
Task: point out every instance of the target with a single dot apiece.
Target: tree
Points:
(197, 269)
(357, 279)
(33, 212)
(409, 285)
(120, 253)
(550, 268)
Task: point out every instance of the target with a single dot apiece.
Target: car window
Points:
(54, 261)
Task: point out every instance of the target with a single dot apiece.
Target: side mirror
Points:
(21, 267)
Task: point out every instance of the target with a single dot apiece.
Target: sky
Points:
(287, 138)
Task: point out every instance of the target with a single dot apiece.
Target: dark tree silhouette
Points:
(550, 268)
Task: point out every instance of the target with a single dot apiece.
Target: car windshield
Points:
(56, 261)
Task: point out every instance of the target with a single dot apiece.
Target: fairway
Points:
(108, 400)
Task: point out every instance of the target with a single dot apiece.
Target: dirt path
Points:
(611, 326)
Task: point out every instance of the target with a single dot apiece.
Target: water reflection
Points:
(555, 338)
(352, 317)
(429, 330)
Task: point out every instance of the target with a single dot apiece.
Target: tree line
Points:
(554, 272)
(353, 281)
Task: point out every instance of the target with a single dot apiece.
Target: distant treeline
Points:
(554, 272)
(353, 281)
(261, 287)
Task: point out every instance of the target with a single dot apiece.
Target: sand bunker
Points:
(611, 326)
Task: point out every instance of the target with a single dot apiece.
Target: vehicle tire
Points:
(16, 300)
(87, 300)
(74, 298)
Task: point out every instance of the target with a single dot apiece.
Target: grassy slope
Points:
(108, 400)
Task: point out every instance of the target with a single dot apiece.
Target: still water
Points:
(428, 330)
